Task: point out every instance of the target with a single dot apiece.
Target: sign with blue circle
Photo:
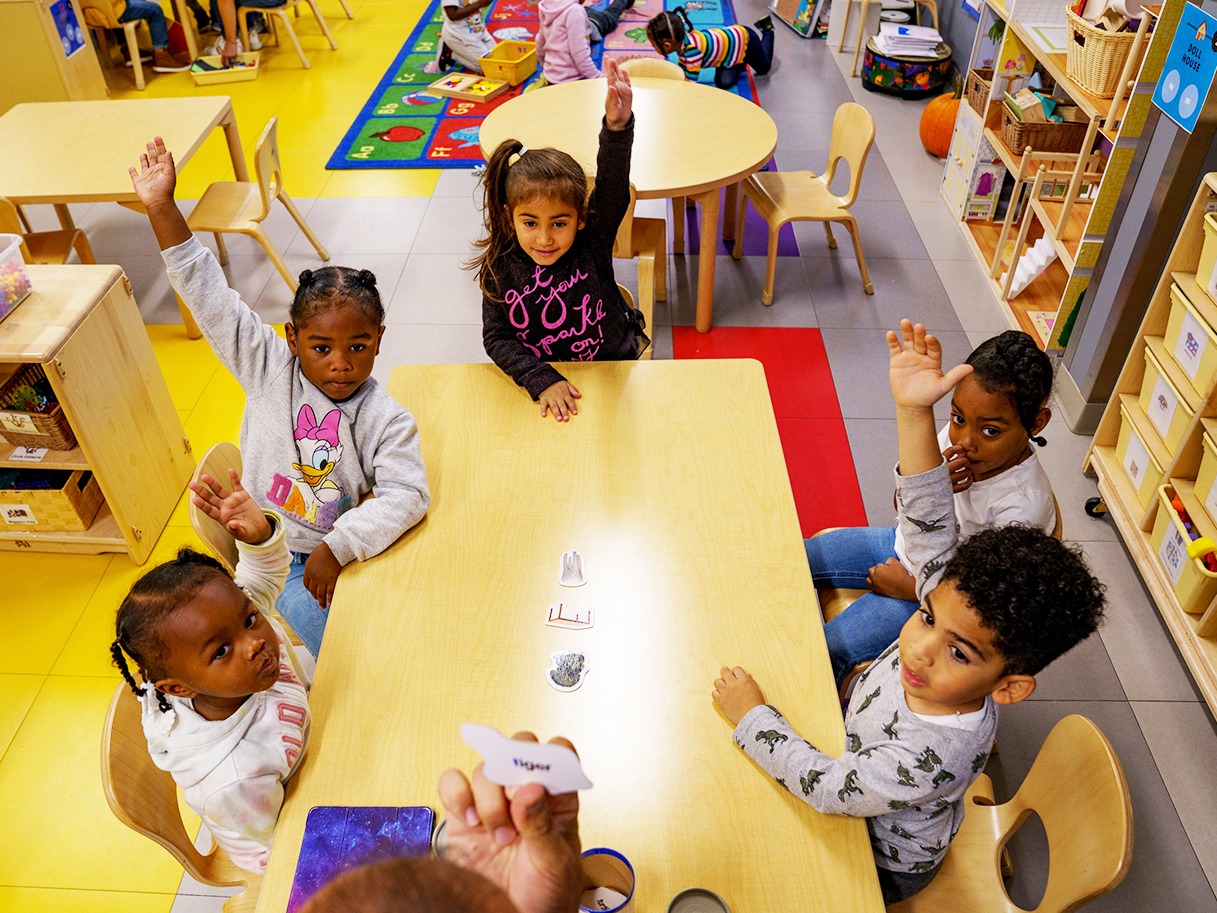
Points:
(1190, 66)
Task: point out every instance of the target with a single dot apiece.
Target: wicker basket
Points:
(1096, 57)
(980, 82)
(72, 505)
(32, 429)
(1046, 137)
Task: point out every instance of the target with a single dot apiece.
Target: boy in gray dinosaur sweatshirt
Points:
(995, 609)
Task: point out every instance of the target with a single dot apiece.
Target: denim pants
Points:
(842, 558)
(758, 55)
(604, 21)
(253, 4)
(142, 9)
(298, 607)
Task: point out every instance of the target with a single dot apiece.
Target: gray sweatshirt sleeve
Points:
(246, 346)
(861, 784)
(401, 496)
(926, 510)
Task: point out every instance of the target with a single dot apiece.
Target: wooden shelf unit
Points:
(1195, 634)
(81, 324)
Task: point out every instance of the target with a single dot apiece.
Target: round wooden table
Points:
(690, 140)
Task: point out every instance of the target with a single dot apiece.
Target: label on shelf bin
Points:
(18, 422)
(1190, 66)
(1136, 459)
(1173, 553)
(17, 514)
(27, 454)
(1162, 405)
(1190, 347)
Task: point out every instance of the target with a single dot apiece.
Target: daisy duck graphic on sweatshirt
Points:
(310, 495)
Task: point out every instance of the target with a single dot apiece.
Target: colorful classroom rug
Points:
(404, 126)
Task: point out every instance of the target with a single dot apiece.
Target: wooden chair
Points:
(788, 196)
(100, 18)
(277, 15)
(1077, 787)
(237, 206)
(649, 316)
(144, 797)
(44, 246)
(646, 240)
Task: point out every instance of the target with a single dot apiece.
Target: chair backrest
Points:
(99, 14)
(623, 244)
(853, 132)
(220, 542)
(267, 167)
(144, 797)
(655, 67)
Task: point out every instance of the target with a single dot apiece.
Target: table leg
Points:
(192, 328)
(65, 216)
(705, 265)
(234, 146)
(730, 200)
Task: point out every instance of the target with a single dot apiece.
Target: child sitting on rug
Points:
(567, 27)
(729, 49)
(464, 37)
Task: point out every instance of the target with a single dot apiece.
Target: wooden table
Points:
(79, 151)
(672, 483)
(690, 140)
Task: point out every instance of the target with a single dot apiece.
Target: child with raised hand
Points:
(997, 411)
(318, 432)
(729, 50)
(225, 700)
(996, 608)
(546, 263)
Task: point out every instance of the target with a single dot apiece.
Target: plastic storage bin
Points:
(1144, 472)
(1194, 585)
(1160, 400)
(66, 500)
(513, 61)
(14, 280)
(1206, 491)
(1191, 341)
(1208, 253)
(217, 75)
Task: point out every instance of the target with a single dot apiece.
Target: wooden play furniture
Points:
(241, 206)
(80, 323)
(645, 240)
(678, 583)
(277, 17)
(35, 67)
(44, 246)
(1077, 788)
(144, 797)
(780, 197)
(567, 116)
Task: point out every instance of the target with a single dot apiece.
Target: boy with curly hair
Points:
(995, 610)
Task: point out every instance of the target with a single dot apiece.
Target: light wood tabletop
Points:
(672, 483)
(690, 140)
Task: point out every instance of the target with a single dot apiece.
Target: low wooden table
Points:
(690, 140)
(672, 483)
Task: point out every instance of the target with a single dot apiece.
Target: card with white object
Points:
(515, 763)
(570, 570)
(567, 669)
(560, 615)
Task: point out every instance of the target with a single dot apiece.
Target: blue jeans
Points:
(254, 4)
(842, 558)
(758, 55)
(299, 608)
(142, 9)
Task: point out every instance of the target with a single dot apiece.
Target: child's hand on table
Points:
(915, 370)
(736, 692)
(235, 510)
(960, 468)
(523, 839)
(559, 399)
(321, 572)
(892, 580)
(155, 181)
(619, 101)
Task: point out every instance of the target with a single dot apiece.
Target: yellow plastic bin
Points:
(513, 61)
(1194, 584)
(1208, 254)
(1191, 341)
(1143, 471)
(1206, 491)
(245, 69)
(1167, 410)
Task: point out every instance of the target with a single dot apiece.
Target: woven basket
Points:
(1047, 137)
(979, 84)
(1096, 57)
(32, 429)
(52, 509)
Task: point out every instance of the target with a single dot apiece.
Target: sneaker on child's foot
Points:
(164, 62)
(255, 43)
(765, 25)
(446, 60)
(217, 49)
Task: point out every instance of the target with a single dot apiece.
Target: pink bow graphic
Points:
(307, 427)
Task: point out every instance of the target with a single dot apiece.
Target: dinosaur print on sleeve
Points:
(772, 738)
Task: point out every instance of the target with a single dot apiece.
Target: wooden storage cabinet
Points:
(35, 67)
(81, 324)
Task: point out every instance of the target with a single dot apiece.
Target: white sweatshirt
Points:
(232, 771)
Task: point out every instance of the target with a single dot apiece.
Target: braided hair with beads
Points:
(1013, 365)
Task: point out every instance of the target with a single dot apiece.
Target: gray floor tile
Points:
(786, 93)
(975, 305)
(1085, 673)
(1163, 864)
(428, 344)
(877, 182)
(808, 130)
(275, 301)
(939, 231)
(157, 302)
(885, 226)
(661, 342)
(435, 289)
(1140, 647)
(859, 360)
(917, 174)
(366, 225)
(1062, 460)
(737, 293)
(902, 288)
(279, 225)
(114, 230)
(1179, 736)
(872, 442)
(195, 903)
(458, 182)
(450, 226)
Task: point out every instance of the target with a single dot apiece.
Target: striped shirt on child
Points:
(713, 48)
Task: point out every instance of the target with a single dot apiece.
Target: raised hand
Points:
(915, 370)
(619, 101)
(235, 510)
(155, 181)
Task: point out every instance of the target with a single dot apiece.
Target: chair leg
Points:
(103, 48)
(25, 222)
(853, 233)
(259, 234)
(346, 9)
(646, 289)
(678, 225)
(661, 266)
(304, 226)
(832, 242)
(133, 49)
(321, 22)
(221, 249)
(737, 249)
(771, 264)
(243, 25)
(192, 328)
(82, 248)
(291, 33)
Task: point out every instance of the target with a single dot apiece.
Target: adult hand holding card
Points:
(509, 762)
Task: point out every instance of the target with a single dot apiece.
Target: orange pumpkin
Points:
(938, 122)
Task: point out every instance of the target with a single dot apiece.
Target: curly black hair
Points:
(324, 289)
(1013, 366)
(1034, 593)
(155, 596)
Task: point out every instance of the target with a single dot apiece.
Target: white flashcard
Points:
(567, 669)
(601, 899)
(513, 763)
(1136, 459)
(27, 454)
(1189, 348)
(1173, 553)
(570, 570)
(560, 615)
